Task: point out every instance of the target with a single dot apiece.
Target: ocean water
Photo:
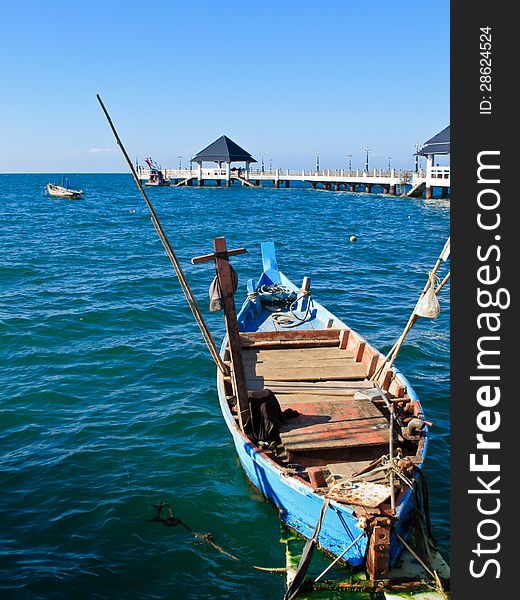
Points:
(108, 400)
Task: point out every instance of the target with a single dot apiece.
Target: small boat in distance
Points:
(156, 177)
(63, 190)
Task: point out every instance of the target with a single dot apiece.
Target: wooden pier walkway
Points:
(391, 182)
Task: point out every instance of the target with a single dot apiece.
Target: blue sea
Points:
(108, 394)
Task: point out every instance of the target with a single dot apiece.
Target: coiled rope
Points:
(280, 296)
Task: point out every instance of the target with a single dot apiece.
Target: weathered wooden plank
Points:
(341, 423)
(333, 445)
(299, 358)
(309, 343)
(343, 338)
(284, 376)
(225, 279)
(288, 399)
(289, 362)
(325, 385)
(305, 373)
(311, 353)
(360, 350)
(372, 365)
(207, 257)
(292, 334)
(364, 432)
(332, 388)
(329, 411)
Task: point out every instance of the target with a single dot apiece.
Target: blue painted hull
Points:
(299, 506)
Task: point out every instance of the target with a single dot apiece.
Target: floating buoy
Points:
(353, 238)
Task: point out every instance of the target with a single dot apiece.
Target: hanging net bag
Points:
(428, 306)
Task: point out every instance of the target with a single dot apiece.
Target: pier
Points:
(394, 182)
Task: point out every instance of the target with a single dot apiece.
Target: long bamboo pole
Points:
(392, 354)
(415, 317)
(190, 298)
(443, 282)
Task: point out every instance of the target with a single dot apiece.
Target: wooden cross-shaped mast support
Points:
(221, 257)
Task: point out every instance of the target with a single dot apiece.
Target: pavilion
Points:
(438, 144)
(223, 151)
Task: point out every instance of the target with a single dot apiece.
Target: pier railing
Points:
(440, 172)
(437, 176)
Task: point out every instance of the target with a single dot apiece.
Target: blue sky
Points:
(282, 78)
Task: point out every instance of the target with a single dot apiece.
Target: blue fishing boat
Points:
(324, 425)
(348, 429)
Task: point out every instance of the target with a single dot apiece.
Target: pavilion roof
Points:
(223, 150)
(438, 144)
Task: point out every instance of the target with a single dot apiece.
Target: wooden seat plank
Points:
(302, 365)
(289, 334)
(288, 400)
(326, 386)
(312, 373)
(329, 388)
(338, 423)
(296, 354)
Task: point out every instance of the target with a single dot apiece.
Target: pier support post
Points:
(429, 193)
(287, 183)
(201, 182)
(219, 182)
(368, 188)
(228, 174)
(313, 185)
(392, 190)
(352, 187)
(386, 189)
(276, 183)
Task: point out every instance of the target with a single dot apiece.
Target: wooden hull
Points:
(57, 191)
(308, 371)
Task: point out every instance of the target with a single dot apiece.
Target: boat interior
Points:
(342, 426)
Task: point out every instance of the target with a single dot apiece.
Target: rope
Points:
(171, 521)
(287, 322)
(188, 294)
(422, 510)
(283, 320)
(339, 557)
(416, 556)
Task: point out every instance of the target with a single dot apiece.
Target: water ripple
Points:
(109, 402)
